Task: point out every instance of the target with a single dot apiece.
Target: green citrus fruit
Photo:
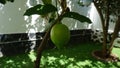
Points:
(60, 35)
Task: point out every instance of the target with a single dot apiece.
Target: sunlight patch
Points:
(24, 62)
(84, 63)
(32, 56)
(51, 59)
(71, 59)
(63, 61)
(99, 64)
(9, 61)
(72, 66)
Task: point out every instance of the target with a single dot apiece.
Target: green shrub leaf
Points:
(40, 9)
(77, 16)
(47, 1)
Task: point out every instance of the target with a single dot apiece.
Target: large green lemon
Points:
(60, 35)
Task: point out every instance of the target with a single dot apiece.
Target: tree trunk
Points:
(103, 21)
(115, 34)
(105, 31)
(104, 46)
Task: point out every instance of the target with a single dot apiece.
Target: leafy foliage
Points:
(40, 9)
(4, 1)
(77, 16)
(49, 8)
(114, 6)
(47, 1)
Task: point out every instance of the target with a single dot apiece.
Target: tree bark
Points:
(47, 35)
(107, 18)
(115, 34)
(41, 48)
(45, 39)
(104, 50)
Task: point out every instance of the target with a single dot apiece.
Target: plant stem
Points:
(47, 35)
(44, 41)
(41, 48)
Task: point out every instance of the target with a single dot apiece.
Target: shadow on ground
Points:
(72, 56)
(77, 56)
(19, 61)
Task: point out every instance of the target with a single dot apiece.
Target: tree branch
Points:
(45, 39)
(115, 34)
(103, 27)
(100, 13)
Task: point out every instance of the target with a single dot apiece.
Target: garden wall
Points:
(13, 21)
(20, 34)
(12, 44)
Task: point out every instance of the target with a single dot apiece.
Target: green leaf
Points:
(11, 0)
(77, 16)
(40, 9)
(47, 1)
(2, 1)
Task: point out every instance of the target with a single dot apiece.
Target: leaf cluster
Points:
(49, 8)
(114, 6)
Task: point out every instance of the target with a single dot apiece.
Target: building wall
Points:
(11, 17)
(13, 21)
(95, 18)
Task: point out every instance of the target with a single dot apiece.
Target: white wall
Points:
(11, 17)
(95, 18)
(75, 24)
(13, 21)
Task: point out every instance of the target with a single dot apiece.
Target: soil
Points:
(99, 55)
